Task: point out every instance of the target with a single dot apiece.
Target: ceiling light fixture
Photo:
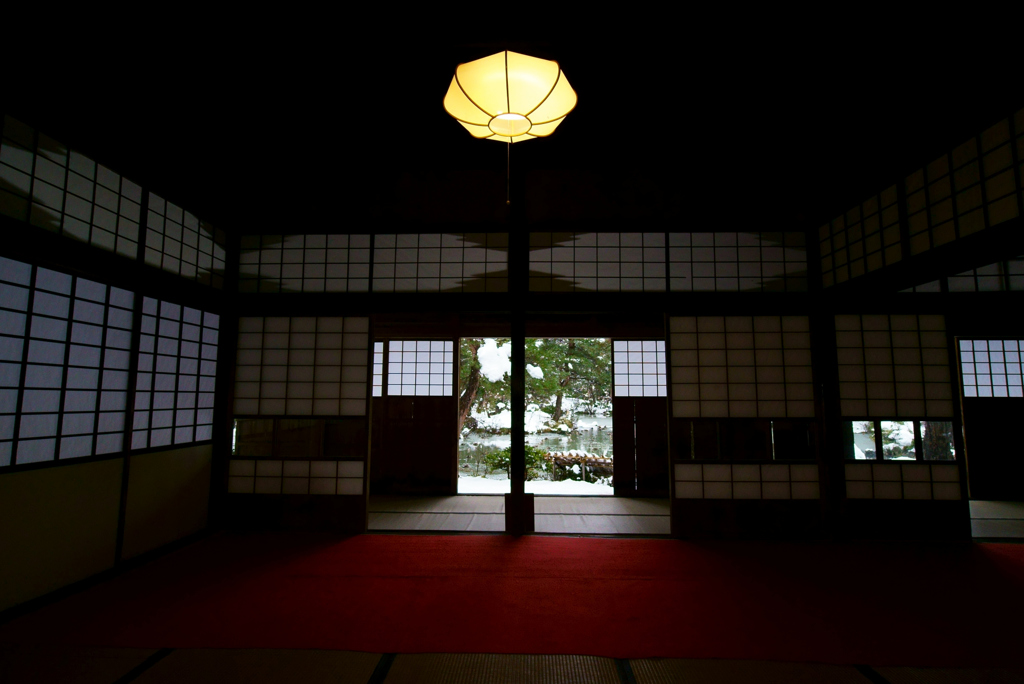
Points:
(509, 97)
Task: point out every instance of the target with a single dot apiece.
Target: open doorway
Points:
(568, 420)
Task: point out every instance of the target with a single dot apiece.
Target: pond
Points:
(593, 435)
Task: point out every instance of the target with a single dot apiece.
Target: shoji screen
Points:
(441, 262)
(15, 281)
(176, 375)
(267, 476)
(64, 343)
(302, 366)
(65, 192)
(738, 262)
(378, 369)
(609, 262)
(639, 368)
(893, 366)
(741, 367)
(864, 239)
(991, 368)
(178, 242)
(420, 368)
(304, 263)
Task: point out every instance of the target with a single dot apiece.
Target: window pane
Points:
(937, 440)
(898, 440)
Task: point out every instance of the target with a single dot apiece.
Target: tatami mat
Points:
(67, 664)
(601, 515)
(439, 668)
(436, 513)
(605, 515)
(82, 665)
(438, 522)
(917, 675)
(602, 524)
(670, 671)
(254, 666)
(997, 519)
(437, 504)
(600, 505)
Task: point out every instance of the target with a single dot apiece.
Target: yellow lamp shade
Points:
(509, 97)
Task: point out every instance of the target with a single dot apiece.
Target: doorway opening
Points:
(568, 421)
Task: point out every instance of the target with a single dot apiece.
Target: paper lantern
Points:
(509, 97)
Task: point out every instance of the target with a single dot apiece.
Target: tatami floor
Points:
(76, 665)
(1003, 520)
(598, 515)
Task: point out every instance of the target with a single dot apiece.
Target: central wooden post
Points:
(518, 505)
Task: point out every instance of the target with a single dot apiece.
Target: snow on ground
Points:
(502, 419)
(904, 434)
(535, 420)
(469, 484)
(573, 487)
(495, 361)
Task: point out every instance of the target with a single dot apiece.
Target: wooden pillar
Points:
(518, 506)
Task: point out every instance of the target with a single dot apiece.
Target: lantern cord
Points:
(508, 173)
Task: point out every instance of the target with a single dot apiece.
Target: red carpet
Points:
(911, 604)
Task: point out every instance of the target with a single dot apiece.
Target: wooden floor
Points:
(597, 515)
(67, 665)
(1002, 520)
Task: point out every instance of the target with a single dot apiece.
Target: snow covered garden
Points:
(568, 416)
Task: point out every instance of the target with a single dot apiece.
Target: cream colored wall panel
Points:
(350, 485)
(323, 469)
(748, 481)
(302, 366)
(690, 472)
(859, 490)
(775, 490)
(746, 490)
(946, 491)
(803, 472)
(743, 472)
(888, 490)
(241, 485)
(717, 472)
(858, 471)
(893, 366)
(775, 472)
(741, 366)
(168, 497)
(717, 490)
(322, 485)
(806, 490)
(916, 472)
(689, 490)
(885, 472)
(57, 526)
(268, 485)
(350, 468)
(917, 490)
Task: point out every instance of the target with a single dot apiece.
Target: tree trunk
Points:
(562, 384)
(469, 393)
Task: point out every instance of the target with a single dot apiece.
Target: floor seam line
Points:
(133, 674)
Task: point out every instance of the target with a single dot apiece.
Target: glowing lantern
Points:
(509, 97)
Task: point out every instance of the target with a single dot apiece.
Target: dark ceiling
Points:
(778, 132)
